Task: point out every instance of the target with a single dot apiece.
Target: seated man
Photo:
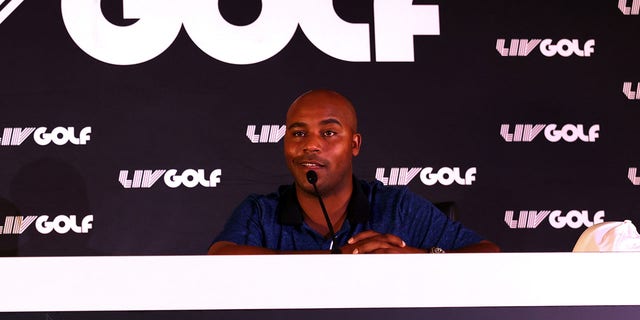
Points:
(322, 136)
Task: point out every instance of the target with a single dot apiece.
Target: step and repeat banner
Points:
(135, 127)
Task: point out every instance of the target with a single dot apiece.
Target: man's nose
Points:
(313, 143)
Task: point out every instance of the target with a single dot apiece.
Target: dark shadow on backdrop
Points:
(8, 242)
(50, 187)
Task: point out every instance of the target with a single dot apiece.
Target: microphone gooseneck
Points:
(312, 178)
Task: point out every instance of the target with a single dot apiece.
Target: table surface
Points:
(318, 281)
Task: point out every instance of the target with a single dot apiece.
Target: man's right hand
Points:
(373, 242)
(365, 242)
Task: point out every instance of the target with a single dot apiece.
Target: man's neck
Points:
(335, 202)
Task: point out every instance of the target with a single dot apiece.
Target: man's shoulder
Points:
(271, 199)
(376, 188)
(396, 198)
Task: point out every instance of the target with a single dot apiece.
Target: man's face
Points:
(321, 137)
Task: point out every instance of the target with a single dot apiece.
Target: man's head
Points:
(322, 135)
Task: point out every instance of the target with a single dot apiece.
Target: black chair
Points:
(448, 208)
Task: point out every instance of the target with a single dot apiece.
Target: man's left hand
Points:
(373, 242)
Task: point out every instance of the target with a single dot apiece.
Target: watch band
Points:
(436, 250)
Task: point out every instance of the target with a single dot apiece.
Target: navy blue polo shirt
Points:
(275, 221)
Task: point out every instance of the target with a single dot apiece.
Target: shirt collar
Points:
(290, 213)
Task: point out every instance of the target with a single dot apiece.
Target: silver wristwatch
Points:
(436, 250)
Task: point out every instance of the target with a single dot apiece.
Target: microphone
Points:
(312, 177)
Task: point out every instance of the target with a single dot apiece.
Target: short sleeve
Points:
(244, 227)
(428, 227)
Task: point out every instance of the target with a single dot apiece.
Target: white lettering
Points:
(575, 219)
(518, 47)
(189, 178)
(19, 224)
(526, 132)
(252, 43)
(160, 21)
(564, 47)
(568, 133)
(336, 37)
(158, 25)
(527, 219)
(141, 178)
(63, 224)
(397, 22)
(626, 89)
(531, 219)
(61, 136)
(633, 10)
(445, 176)
(268, 134)
(8, 9)
(571, 133)
(15, 136)
(633, 176)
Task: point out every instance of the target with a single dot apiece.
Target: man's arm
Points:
(364, 242)
(374, 242)
(230, 248)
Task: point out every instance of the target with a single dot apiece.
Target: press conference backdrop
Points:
(136, 127)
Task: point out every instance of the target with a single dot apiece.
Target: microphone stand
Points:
(312, 177)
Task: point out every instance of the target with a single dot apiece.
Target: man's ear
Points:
(356, 142)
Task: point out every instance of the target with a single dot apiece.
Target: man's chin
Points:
(301, 175)
(305, 187)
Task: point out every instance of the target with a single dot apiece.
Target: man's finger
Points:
(362, 236)
(393, 239)
(371, 246)
(381, 241)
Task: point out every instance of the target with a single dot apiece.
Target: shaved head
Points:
(326, 99)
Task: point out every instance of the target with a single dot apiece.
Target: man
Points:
(322, 136)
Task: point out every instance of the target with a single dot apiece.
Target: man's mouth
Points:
(311, 164)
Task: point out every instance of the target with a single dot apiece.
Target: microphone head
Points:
(312, 177)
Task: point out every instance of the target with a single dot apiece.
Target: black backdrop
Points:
(186, 110)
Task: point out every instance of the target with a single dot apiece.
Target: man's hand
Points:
(373, 242)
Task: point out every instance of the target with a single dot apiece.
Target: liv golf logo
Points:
(42, 136)
(548, 47)
(552, 132)
(60, 224)
(531, 219)
(189, 178)
(429, 176)
(396, 22)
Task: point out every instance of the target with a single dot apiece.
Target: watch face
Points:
(437, 250)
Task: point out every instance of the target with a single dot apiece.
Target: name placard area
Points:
(277, 282)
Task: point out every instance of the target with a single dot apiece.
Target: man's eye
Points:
(298, 134)
(328, 133)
